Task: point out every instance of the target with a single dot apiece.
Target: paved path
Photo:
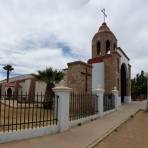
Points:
(83, 136)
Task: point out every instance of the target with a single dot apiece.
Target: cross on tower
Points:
(86, 74)
(104, 13)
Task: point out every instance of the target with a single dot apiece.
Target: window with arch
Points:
(108, 47)
(98, 48)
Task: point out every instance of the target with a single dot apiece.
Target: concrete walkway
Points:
(84, 136)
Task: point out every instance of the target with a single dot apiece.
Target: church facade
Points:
(111, 64)
(108, 69)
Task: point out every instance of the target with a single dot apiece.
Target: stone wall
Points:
(76, 79)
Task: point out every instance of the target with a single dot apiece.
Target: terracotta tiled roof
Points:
(98, 59)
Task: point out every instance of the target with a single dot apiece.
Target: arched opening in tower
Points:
(98, 48)
(123, 83)
(108, 47)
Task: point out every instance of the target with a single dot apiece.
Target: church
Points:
(108, 69)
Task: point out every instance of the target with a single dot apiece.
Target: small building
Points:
(25, 85)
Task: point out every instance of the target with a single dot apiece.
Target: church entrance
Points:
(123, 82)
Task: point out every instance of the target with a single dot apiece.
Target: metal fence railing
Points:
(83, 105)
(19, 112)
(108, 102)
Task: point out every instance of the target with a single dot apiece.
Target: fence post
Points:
(63, 106)
(115, 92)
(100, 93)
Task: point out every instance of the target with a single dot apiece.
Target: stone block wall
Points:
(76, 80)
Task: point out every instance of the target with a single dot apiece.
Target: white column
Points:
(116, 94)
(100, 93)
(63, 106)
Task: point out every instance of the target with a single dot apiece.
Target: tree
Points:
(139, 85)
(50, 77)
(8, 68)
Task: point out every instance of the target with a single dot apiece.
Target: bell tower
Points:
(104, 42)
(105, 60)
(110, 64)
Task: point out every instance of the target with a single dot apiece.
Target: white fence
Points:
(63, 116)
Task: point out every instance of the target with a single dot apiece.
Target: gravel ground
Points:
(131, 134)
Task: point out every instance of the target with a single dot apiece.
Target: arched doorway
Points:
(123, 82)
(9, 92)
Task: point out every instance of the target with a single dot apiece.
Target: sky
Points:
(36, 34)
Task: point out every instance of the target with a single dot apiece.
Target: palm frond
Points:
(8, 67)
(49, 76)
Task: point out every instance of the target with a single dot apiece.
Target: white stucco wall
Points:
(40, 87)
(22, 88)
(3, 89)
(123, 59)
(127, 99)
(25, 86)
(27, 133)
(98, 76)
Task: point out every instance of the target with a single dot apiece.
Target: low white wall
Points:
(82, 120)
(28, 133)
(109, 111)
(98, 76)
(119, 100)
(127, 99)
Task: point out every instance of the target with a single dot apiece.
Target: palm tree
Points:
(8, 68)
(50, 77)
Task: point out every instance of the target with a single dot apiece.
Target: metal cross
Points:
(105, 15)
(86, 74)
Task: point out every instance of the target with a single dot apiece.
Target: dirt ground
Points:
(21, 118)
(131, 134)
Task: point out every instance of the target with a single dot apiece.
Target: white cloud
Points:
(29, 62)
(27, 26)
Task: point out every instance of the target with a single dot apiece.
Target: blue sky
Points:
(35, 34)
